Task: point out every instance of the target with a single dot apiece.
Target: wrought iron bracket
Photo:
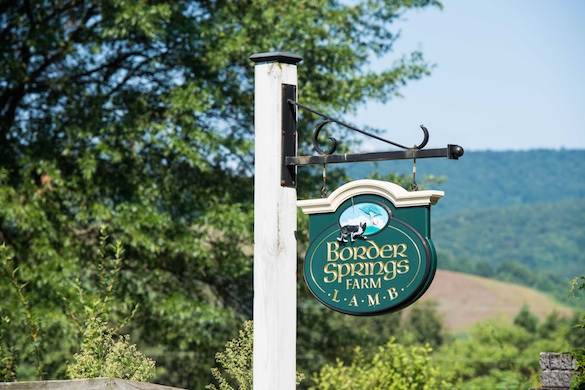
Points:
(289, 136)
(452, 152)
(290, 160)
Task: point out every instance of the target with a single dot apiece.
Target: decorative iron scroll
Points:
(328, 157)
(333, 147)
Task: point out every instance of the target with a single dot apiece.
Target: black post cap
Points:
(276, 56)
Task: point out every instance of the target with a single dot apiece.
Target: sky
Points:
(509, 75)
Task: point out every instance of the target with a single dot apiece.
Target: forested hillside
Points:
(540, 245)
(542, 237)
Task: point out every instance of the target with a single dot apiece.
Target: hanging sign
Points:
(370, 247)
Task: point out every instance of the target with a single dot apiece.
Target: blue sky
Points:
(510, 75)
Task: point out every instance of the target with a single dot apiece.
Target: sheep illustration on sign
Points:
(362, 221)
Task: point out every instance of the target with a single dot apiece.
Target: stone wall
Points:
(556, 370)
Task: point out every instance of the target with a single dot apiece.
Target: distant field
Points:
(466, 299)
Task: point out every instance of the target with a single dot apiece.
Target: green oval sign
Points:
(367, 256)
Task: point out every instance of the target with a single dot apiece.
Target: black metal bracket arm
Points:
(290, 160)
(452, 152)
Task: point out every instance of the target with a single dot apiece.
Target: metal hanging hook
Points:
(316, 140)
(425, 139)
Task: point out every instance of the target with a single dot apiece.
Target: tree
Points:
(484, 268)
(578, 380)
(392, 367)
(526, 319)
(103, 355)
(236, 362)
(138, 115)
(513, 271)
(497, 355)
(324, 336)
(424, 324)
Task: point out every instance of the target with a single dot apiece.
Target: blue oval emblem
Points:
(373, 215)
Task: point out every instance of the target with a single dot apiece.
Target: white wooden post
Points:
(275, 246)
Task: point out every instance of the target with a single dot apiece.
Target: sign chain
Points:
(324, 189)
(414, 186)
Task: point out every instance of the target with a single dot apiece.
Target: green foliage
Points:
(89, 311)
(578, 380)
(519, 244)
(7, 357)
(495, 355)
(393, 366)
(325, 336)
(526, 319)
(236, 362)
(32, 321)
(577, 334)
(424, 324)
(96, 299)
(578, 284)
(518, 241)
(104, 355)
(405, 180)
(139, 116)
